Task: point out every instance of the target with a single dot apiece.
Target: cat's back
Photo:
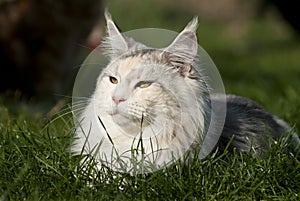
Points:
(249, 125)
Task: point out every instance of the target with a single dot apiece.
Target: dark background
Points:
(255, 44)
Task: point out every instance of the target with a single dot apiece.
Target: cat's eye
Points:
(113, 80)
(143, 84)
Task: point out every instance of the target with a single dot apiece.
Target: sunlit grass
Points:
(262, 64)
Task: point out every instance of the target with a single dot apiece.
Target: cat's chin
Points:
(126, 124)
(120, 119)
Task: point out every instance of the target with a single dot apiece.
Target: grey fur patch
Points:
(251, 126)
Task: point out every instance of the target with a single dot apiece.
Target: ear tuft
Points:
(115, 42)
(192, 25)
(107, 15)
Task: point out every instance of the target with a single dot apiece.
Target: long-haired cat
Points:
(154, 104)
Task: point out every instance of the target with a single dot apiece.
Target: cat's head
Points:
(143, 86)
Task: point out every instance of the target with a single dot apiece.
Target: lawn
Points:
(261, 63)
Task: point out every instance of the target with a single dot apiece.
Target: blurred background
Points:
(254, 43)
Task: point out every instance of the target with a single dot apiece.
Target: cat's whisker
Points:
(79, 103)
(78, 109)
(59, 109)
(146, 120)
(149, 119)
(61, 115)
(138, 112)
(64, 112)
(153, 113)
(80, 99)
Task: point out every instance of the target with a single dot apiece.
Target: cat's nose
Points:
(118, 100)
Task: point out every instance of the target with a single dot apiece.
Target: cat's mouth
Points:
(125, 123)
(124, 119)
(116, 112)
(118, 116)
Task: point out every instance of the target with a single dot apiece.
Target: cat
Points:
(154, 104)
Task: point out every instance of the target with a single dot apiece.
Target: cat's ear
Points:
(115, 41)
(185, 45)
(183, 50)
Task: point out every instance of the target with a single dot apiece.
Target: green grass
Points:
(35, 165)
(262, 64)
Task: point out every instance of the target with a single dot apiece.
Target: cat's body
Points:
(159, 96)
(252, 127)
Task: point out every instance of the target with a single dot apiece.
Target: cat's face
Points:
(135, 92)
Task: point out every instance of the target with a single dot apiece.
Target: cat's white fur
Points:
(159, 96)
(169, 114)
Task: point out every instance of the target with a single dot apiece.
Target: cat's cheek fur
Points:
(103, 96)
(151, 93)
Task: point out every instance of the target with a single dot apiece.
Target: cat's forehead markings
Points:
(129, 64)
